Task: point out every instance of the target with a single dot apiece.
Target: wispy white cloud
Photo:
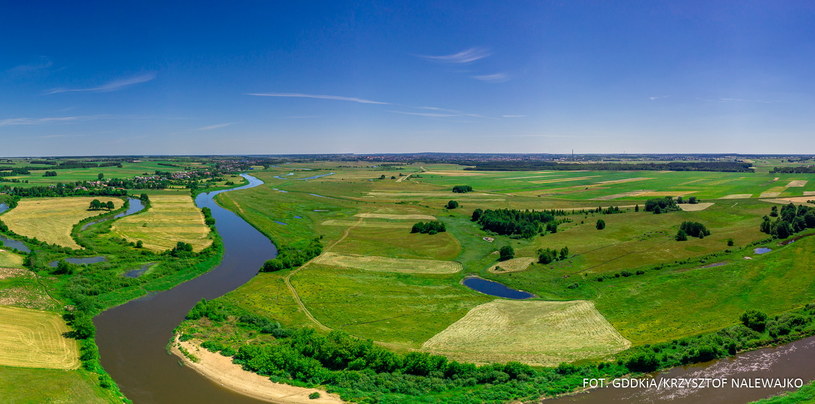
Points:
(492, 78)
(216, 126)
(426, 114)
(466, 56)
(42, 63)
(46, 120)
(110, 86)
(513, 116)
(319, 97)
(728, 99)
(658, 97)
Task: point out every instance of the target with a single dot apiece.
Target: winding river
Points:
(132, 338)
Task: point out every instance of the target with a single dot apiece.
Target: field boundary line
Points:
(287, 278)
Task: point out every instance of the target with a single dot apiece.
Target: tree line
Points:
(432, 227)
(293, 256)
(514, 222)
(791, 220)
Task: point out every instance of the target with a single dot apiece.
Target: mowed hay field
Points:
(33, 338)
(9, 259)
(532, 332)
(52, 219)
(385, 264)
(170, 219)
(25, 385)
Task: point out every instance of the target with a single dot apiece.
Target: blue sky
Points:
(86, 78)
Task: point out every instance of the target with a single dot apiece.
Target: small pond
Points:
(84, 260)
(17, 245)
(3, 207)
(494, 288)
(135, 273)
(762, 250)
(314, 177)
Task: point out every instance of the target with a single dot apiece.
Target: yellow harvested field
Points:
(368, 223)
(769, 194)
(10, 259)
(688, 207)
(797, 183)
(170, 219)
(624, 180)
(795, 199)
(6, 273)
(52, 219)
(565, 179)
(386, 264)
(34, 339)
(737, 196)
(533, 332)
(394, 217)
(809, 193)
(512, 265)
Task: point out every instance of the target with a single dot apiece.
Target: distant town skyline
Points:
(151, 78)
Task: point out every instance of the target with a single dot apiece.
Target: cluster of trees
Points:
(462, 189)
(692, 229)
(514, 222)
(550, 255)
(721, 166)
(181, 249)
(794, 170)
(60, 190)
(661, 205)
(293, 256)
(452, 205)
(600, 225)
(791, 220)
(691, 200)
(50, 174)
(432, 227)
(506, 253)
(99, 205)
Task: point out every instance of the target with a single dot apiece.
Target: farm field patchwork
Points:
(386, 264)
(52, 219)
(33, 338)
(169, 220)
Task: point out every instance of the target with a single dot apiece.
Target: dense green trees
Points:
(293, 256)
(600, 225)
(550, 255)
(754, 320)
(452, 204)
(99, 205)
(461, 189)
(513, 222)
(789, 221)
(661, 205)
(693, 229)
(506, 253)
(50, 174)
(432, 227)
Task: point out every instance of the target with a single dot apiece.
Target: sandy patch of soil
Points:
(512, 265)
(687, 207)
(769, 194)
(795, 199)
(797, 183)
(622, 195)
(228, 375)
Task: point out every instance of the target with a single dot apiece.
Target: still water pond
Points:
(493, 288)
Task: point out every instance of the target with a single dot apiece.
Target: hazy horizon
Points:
(102, 78)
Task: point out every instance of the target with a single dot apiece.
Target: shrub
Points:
(754, 320)
(461, 189)
(452, 204)
(433, 227)
(506, 252)
(601, 224)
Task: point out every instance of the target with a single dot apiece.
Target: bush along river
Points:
(133, 337)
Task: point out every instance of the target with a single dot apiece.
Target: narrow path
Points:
(404, 178)
(287, 279)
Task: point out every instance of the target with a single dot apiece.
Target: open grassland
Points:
(9, 259)
(386, 264)
(170, 219)
(399, 243)
(52, 219)
(19, 287)
(32, 338)
(128, 170)
(533, 332)
(401, 309)
(23, 385)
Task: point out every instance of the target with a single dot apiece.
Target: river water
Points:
(132, 338)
